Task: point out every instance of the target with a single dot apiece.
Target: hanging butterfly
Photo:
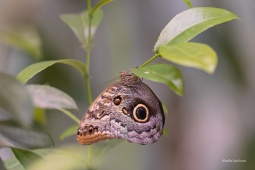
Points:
(128, 109)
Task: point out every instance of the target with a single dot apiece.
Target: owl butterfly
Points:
(127, 109)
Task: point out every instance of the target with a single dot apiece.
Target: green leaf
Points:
(188, 3)
(190, 23)
(79, 24)
(165, 109)
(163, 73)
(33, 69)
(72, 130)
(47, 97)
(73, 157)
(25, 157)
(43, 152)
(67, 158)
(188, 54)
(40, 116)
(165, 132)
(15, 99)
(26, 39)
(13, 135)
(13, 164)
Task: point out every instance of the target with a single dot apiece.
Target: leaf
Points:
(26, 39)
(25, 157)
(73, 157)
(15, 99)
(33, 69)
(188, 3)
(14, 135)
(40, 116)
(50, 98)
(188, 54)
(5, 143)
(190, 23)
(47, 97)
(65, 158)
(72, 130)
(43, 152)
(165, 132)
(163, 73)
(79, 24)
(165, 109)
(13, 164)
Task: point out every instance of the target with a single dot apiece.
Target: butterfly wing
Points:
(128, 109)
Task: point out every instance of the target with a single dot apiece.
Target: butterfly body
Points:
(127, 109)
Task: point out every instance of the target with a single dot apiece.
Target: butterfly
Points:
(128, 109)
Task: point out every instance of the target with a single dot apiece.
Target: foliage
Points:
(22, 102)
(26, 39)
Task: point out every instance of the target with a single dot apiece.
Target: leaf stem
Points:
(148, 61)
(69, 114)
(100, 4)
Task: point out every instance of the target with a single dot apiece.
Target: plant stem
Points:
(89, 26)
(148, 61)
(87, 84)
(87, 79)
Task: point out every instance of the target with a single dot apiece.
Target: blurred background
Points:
(214, 120)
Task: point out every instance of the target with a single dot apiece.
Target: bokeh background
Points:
(214, 120)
